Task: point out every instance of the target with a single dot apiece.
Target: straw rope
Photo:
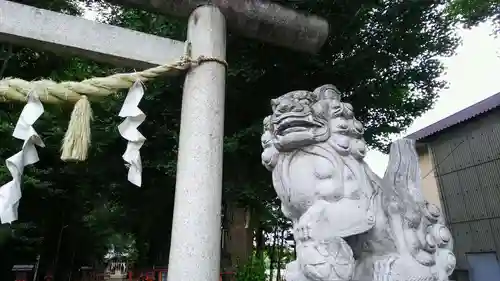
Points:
(77, 138)
(15, 89)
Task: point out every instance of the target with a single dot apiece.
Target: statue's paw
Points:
(311, 224)
(294, 273)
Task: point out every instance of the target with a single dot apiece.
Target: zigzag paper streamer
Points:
(128, 130)
(10, 193)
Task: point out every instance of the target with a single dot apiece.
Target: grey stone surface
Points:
(349, 224)
(60, 33)
(259, 19)
(196, 235)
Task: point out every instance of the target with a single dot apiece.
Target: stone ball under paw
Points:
(327, 260)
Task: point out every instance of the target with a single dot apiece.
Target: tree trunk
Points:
(71, 269)
(272, 254)
(225, 261)
(239, 244)
(260, 241)
(278, 259)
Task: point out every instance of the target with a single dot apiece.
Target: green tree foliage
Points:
(381, 54)
(254, 270)
(473, 12)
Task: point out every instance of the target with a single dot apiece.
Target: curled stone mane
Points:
(346, 131)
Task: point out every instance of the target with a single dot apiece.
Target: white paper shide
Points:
(128, 130)
(10, 193)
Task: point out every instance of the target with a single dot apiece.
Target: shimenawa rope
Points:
(77, 138)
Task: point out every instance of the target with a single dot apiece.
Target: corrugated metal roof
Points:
(459, 117)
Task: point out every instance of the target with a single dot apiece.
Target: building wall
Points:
(467, 160)
(429, 182)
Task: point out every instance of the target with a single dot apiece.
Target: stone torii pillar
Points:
(196, 236)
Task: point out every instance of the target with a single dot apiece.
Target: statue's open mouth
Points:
(295, 124)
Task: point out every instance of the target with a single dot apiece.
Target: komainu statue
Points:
(348, 223)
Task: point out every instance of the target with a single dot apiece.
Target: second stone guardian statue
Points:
(349, 224)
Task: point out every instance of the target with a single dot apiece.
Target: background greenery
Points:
(473, 12)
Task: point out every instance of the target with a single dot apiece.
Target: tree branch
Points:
(9, 55)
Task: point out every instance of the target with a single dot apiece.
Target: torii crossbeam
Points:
(262, 20)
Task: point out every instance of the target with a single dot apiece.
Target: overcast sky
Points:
(473, 74)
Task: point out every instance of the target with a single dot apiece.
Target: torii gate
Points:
(195, 244)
